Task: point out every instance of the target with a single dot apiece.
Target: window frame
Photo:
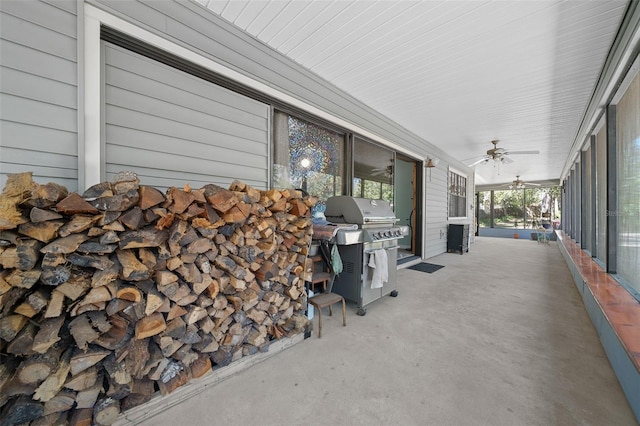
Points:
(465, 177)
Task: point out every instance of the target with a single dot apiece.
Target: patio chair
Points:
(543, 235)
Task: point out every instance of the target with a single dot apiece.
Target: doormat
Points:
(426, 267)
(406, 259)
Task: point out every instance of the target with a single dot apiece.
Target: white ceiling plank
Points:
(456, 73)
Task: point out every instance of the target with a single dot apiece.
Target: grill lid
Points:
(345, 209)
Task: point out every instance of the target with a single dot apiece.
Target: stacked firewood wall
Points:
(109, 297)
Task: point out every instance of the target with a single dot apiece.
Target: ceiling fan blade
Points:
(522, 152)
(531, 184)
(477, 162)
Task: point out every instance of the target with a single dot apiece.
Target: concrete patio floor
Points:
(499, 336)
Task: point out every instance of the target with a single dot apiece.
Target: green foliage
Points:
(518, 207)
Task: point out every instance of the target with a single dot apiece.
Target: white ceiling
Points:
(456, 73)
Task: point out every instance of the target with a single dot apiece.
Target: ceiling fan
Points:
(500, 155)
(520, 184)
(386, 171)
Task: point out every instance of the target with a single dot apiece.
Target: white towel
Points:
(379, 263)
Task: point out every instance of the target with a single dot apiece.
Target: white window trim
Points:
(91, 169)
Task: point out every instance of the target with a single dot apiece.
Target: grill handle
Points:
(380, 220)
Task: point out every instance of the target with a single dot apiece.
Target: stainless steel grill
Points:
(376, 230)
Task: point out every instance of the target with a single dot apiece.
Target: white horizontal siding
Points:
(36, 138)
(38, 88)
(38, 91)
(37, 113)
(38, 37)
(436, 211)
(37, 62)
(172, 128)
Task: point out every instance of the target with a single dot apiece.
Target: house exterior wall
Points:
(172, 128)
(436, 210)
(45, 106)
(39, 91)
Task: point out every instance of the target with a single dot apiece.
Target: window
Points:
(308, 157)
(588, 191)
(628, 191)
(519, 208)
(457, 195)
(372, 171)
(601, 195)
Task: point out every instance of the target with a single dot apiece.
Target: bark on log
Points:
(20, 410)
(47, 195)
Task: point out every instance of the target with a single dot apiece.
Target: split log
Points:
(83, 380)
(34, 370)
(149, 197)
(137, 358)
(150, 325)
(180, 200)
(20, 411)
(118, 335)
(154, 301)
(74, 204)
(65, 245)
(76, 286)
(133, 219)
(51, 260)
(47, 195)
(173, 381)
(145, 237)
(34, 303)
(175, 311)
(82, 331)
(100, 294)
(219, 198)
(4, 286)
(148, 259)
(117, 202)
(129, 293)
(132, 268)
(77, 224)
(48, 334)
(118, 378)
(23, 279)
(106, 276)
(22, 344)
(82, 416)
(106, 411)
(37, 215)
(87, 398)
(54, 382)
(56, 305)
(62, 401)
(23, 256)
(54, 276)
(11, 325)
(53, 419)
(81, 360)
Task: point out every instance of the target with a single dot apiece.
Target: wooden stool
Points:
(327, 299)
